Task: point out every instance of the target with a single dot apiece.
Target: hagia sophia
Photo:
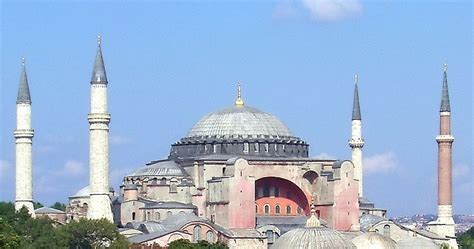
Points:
(241, 177)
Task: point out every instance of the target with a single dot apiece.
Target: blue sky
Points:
(168, 64)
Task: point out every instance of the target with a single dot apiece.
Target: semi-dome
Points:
(312, 236)
(239, 130)
(373, 240)
(160, 168)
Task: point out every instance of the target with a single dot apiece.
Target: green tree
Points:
(37, 205)
(59, 206)
(466, 240)
(8, 237)
(93, 234)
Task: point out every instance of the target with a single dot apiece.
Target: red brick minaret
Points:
(444, 225)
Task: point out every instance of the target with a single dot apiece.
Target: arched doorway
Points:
(279, 197)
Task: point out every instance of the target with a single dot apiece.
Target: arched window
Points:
(246, 147)
(196, 234)
(133, 215)
(163, 181)
(148, 216)
(270, 237)
(266, 208)
(277, 209)
(174, 186)
(386, 230)
(288, 210)
(299, 210)
(256, 208)
(157, 215)
(168, 214)
(210, 236)
(256, 147)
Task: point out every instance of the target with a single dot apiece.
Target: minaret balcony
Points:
(23, 133)
(444, 138)
(356, 143)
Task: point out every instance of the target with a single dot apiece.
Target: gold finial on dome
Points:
(239, 101)
(313, 220)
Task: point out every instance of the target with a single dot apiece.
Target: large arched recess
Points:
(276, 196)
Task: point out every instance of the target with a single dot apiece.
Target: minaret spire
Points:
(355, 105)
(98, 73)
(23, 146)
(445, 106)
(99, 119)
(357, 142)
(24, 89)
(239, 101)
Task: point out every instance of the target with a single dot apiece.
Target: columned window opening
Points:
(197, 233)
(246, 147)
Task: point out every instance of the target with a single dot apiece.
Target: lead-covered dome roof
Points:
(313, 235)
(160, 168)
(239, 121)
(239, 130)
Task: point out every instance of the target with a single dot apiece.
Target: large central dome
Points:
(239, 120)
(239, 131)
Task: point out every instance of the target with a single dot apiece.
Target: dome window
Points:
(246, 147)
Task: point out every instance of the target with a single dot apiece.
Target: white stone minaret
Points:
(99, 119)
(444, 225)
(24, 140)
(357, 142)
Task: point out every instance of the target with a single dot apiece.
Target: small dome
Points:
(312, 237)
(160, 168)
(416, 242)
(237, 121)
(372, 240)
(83, 192)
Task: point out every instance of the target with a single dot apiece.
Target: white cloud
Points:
(324, 156)
(284, 9)
(333, 10)
(384, 162)
(73, 168)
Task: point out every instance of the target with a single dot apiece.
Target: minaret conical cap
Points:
(355, 105)
(23, 90)
(445, 106)
(98, 73)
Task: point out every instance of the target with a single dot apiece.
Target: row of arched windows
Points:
(266, 209)
(197, 234)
